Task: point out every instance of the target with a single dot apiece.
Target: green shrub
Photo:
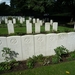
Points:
(34, 58)
(15, 63)
(5, 66)
(55, 59)
(9, 18)
(17, 21)
(8, 65)
(40, 58)
(8, 54)
(30, 63)
(61, 50)
(71, 56)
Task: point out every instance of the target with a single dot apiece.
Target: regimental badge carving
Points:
(0, 42)
(27, 40)
(40, 39)
(13, 41)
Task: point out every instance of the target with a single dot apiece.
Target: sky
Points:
(7, 1)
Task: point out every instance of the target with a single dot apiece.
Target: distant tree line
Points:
(39, 7)
(4, 9)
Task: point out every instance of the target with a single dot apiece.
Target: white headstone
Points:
(71, 41)
(55, 26)
(47, 26)
(3, 18)
(30, 18)
(62, 39)
(27, 46)
(41, 22)
(27, 22)
(40, 44)
(21, 20)
(51, 43)
(38, 20)
(14, 21)
(74, 26)
(29, 28)
(3, 43)
(37, 28)
(14, 43)
(10, 27)
(6, 20)
(18, 18)
(34, 20)
(51, 22)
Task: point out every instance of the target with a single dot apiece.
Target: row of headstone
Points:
(10, 27)
(28, 45)
(20, 19)
(37, 21)
(38, 25)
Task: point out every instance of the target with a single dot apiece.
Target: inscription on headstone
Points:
(27, 46)
(40, 44)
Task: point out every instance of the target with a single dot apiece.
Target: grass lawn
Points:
(55, 69)
(4, 30)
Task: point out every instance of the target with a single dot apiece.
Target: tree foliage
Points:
(38, 7)
(4, 9)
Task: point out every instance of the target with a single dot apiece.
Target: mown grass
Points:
(3, 30)
(65, 29)
(55, 69)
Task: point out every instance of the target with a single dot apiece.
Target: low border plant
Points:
(71, 56)
(8, 54)
(55, 59)
(9, 57)
(61, 50)
(5, 66)
(30, 62)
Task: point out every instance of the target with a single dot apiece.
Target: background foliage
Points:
(41, 7)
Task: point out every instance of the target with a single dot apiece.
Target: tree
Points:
(33, 6)
(4, 9)
(39, 7)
